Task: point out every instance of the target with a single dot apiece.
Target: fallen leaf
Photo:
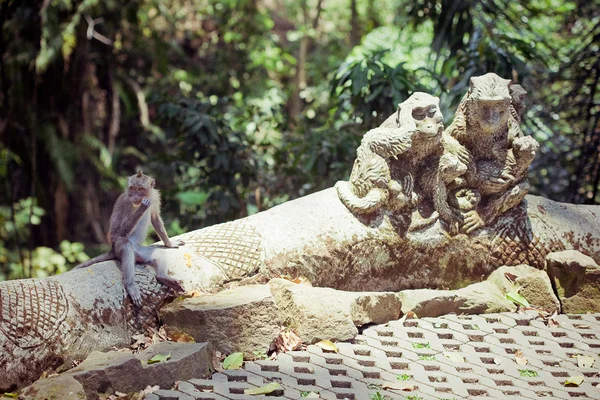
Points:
(515, 297)
(520, 358)
(159, 358)
(454, 357)
(497, 360)
(585, 361)
(233, 361)
(181, 337)
(11, 395)
(511, 277)
(312, 395)
(150, 389)
(405, 386)
(287, 340)
(411, 315)
(327, 346)
(574, 380)
(268, 388)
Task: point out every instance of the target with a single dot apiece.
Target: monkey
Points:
(131, 216)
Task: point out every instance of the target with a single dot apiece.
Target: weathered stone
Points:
(576, 278)
(62, 387)
(240, 319)
(533, 284)
(107, 373)
(478, 298)
(324, 313)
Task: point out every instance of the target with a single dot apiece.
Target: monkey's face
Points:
(429, 121)
(139, 187)
(491, 114)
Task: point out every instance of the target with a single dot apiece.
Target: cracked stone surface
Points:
(416, 350)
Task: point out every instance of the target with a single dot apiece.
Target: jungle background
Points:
(237, 106)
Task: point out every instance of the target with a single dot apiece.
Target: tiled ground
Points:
(416, 349)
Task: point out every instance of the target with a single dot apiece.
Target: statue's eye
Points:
(418, 114)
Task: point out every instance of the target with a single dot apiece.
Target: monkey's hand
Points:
(472, 222)
(146, 202)
(173, 244)
(499, 182)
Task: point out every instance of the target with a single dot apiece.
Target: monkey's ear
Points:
(140, 173)
(152, 182)
(398, 116)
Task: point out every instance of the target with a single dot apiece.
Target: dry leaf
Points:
(177, 335)
(405, 386)
(497, 360)
(188, 259)
(574, 380)
(520, 358)
(585, 361)
(216, 361)
(411, 315)
(511, 277)
(327, 346)
(287, 341)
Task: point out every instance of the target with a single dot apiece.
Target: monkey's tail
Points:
(361, 205)
(102, 257)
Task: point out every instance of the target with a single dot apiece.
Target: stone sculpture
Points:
(487, 124)
(408, 145)
(393, 243)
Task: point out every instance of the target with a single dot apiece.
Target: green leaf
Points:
(233, 361)
(574, 380)
(516, 298)
(528, 372)
(268, 388)
(11, 395)
(159, 358)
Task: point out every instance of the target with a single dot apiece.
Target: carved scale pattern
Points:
(515, 243)
(31, 311)
(235, 246)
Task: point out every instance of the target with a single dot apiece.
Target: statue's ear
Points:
(140, 173)
(471, 84)
(398, 116)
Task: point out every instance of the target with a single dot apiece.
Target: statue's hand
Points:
(499, 182)
(453, 146)
(472, 222)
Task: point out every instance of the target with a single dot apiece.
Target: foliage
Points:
(235, 107)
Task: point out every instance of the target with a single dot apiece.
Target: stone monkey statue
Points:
(407, 145)
(132, 214)
(487, 125)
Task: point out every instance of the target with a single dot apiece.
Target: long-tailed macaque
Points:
(132, 214)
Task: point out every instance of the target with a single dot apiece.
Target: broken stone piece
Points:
(533, 284)
(241, 319)
(576, 278)
(316, 313)
(107, 373)
(478, 298)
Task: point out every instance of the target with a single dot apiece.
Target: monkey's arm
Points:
(159, 227)
(129, 225)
